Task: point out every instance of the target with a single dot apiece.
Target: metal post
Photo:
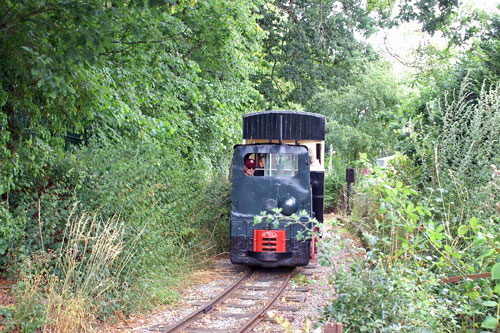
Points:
(348, 198)
(281, 130)
(350, 175)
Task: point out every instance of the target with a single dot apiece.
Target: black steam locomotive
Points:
(279, 165)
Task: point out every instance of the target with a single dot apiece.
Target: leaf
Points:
(490, 303)
(469, 284)
(490, 323)
(462, 230)
(52, 94)
(473, 294)
(487, 254)
(413, 217)
(497, 289)
(412, 191)
(479, 240)
(495, 271)
(473, 222)
(448, 248)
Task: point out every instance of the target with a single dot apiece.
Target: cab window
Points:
(271, 165)
(281, 165)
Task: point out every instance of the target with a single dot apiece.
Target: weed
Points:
(70, 295)
(300, 280)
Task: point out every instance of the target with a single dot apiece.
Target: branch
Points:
(398, 58)
(140, 42)
(40, 10)
(194, 48)
(287, 10)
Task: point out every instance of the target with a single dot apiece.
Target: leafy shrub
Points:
(181, 210)
(333, 192)
(38, 200)
(174, 216)
(469, 143)
(457, 156)
(405, 228)
(386, 212)
(393, 299)
(334, 181)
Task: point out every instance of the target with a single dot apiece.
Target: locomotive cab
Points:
(279, 165)
(285, 184)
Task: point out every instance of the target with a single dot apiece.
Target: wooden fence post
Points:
(333, 327)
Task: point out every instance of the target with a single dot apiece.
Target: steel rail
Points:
(258, 317)
(193, 316)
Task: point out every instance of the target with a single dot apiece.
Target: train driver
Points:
(249, 167)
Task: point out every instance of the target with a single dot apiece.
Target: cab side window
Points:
(271, 165)
(260, 170)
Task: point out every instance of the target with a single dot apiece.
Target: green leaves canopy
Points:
(129, 67)
(124, 72)
(360, 114)
(310, 46)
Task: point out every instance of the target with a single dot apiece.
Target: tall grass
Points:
(89, 265)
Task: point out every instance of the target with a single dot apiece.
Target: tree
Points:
(310, 46)
(359, 116)
(315, 46)
(168, 75)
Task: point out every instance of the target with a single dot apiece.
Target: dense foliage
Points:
(311, 46)
(123, 73)
(320, 46)
(360, 114)
(435, 212)
(150, 94)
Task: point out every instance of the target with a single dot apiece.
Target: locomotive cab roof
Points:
(284, 125)
(288, 127)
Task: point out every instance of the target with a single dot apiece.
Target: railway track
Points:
(240, 307)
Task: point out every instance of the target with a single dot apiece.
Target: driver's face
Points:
(249, 171)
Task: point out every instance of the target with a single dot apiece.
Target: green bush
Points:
(334, 181)
(427, 230)
(393, 299)
(174, 215)
(179, 210)
(39, 197)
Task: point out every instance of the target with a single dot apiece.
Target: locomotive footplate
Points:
(270, 256)
(242, 253)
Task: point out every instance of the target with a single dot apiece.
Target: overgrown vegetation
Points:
(430, 216)
(148, 93)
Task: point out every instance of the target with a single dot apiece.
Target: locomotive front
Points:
(276, 167)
